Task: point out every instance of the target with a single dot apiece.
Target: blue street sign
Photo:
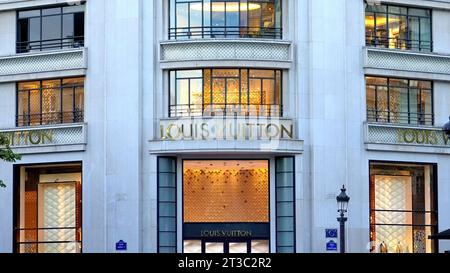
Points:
(121, 245)
(331, 233)
(331, 246)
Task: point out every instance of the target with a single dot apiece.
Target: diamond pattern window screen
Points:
(167, 205)
(285, 199)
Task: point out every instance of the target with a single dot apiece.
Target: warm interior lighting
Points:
(226, 191)
(220, 7)
(370, 21)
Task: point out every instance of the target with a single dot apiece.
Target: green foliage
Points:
(6, 154)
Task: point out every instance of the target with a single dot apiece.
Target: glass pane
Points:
(68, 105)
(73, 8)
(29, 13)
(414, 32)
(167, 210)
(218, 19)
(185, 74)
(254, 19)
(382, 104)
(370, 28)
(285, 209)
(51, 11)
(425, 34)
(196, 13)
(427, 107)
(167, 239)
(182, 15)
(196, 96)
(285, 239)
(381, 30)
(371, 103)
(260, 247)
(192, 246)
(262, 73)
(68, 26)
(238, 248)
(167, 165)
(182, 92)
(167, 179)
(285, 194)
(233, 91)
(51, 31)
(35, 107)
(167, 225)
(214, 248)
(79, 104)
(268, 17)
(219, 96)
(34, 29)
(207, 87)
(414, 105)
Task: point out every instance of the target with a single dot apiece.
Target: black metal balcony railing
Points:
(400, 117)
(50, 118)
(224, 32)
(33, 240)
(255, 110)
(399, 43)
(42, 45)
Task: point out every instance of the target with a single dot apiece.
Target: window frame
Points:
(58, 43)
(173, 94)
(411, 121)
(20, 122)
(434, 194)
(277, 32)
(380, 42)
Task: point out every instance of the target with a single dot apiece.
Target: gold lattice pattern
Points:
(226, 195)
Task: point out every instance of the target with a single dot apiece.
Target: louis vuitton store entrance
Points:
(226, 206)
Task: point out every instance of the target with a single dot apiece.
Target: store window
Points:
(225, 92)
(226, 206)
(48, 215)
(403, 208)
(399, 101)
(50, 102)
(50, 28)
(398, 27)
(194, 19)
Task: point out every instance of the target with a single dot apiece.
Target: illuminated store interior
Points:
(49, 215)
(403, 207)
(227, 192)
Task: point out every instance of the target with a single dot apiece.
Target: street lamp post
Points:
(342, 200)
(446, 129)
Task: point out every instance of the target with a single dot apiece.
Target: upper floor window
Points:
(50, 102)
(194, 19)
(50, 28)
(399, 101)
(225, 92)
(398, 27)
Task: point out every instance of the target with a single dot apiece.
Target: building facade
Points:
(224, 125)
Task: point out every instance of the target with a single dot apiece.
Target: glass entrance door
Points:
(226, 246)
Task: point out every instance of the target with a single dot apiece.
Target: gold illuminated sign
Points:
(422, 137)
(226, 129)
(226, 233)
(30, 137)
